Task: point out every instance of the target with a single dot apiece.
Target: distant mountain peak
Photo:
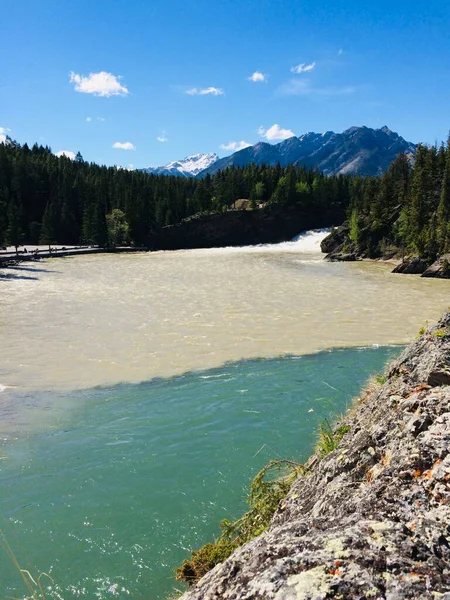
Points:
(190, 166)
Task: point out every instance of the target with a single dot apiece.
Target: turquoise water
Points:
(110, 498)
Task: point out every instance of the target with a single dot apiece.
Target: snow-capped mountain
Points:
(190, 166)
(357, 150)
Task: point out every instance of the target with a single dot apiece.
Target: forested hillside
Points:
(49, 199)
(404, 212)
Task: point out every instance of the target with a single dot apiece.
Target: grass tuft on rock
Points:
(269, 486)
(444, 332)
(329, 439)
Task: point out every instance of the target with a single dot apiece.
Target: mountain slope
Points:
(358, 150)
(188, 167)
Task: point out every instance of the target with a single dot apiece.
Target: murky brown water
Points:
(79, 322)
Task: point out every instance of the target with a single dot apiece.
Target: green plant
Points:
(329, 439)
(266, 492)
(441, 332)
(380, 379)
(203, 560)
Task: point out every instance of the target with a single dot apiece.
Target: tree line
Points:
(55, 200)
(406, 211)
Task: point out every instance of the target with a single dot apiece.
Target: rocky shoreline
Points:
(338, 248)
(372, 518)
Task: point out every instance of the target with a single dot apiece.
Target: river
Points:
(141, 392)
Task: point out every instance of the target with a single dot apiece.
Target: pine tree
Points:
(49, 225)
(4, 196)
(418, 202)
(443, 211)
(14, 232)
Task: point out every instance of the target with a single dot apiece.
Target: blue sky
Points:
(181, 71)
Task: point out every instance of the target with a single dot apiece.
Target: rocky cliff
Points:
(372, 518)
(241, 228)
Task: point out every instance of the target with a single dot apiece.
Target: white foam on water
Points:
(2, 388)
(306, 242)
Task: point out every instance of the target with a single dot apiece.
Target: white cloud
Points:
(205, 91)
(340, 51)
(100, 84)
(303, 68)
(257, 77)
(275, 133)
(304, 87)
(88, 119)
(123, 146)
(234, 146)
(3, 133)
(102, 119)
(67, 154)
(162, 138)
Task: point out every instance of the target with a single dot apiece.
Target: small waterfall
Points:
(309, 241)
(306, 242)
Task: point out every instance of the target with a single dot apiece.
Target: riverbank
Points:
(32, 253)
(338, 247)
(370, 518)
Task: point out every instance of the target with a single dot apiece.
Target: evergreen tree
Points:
(443, 211)
(49, 225)
(14, 233)
(418, 202)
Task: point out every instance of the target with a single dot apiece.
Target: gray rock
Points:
(372, 519)
(411, 266)
(342, 257)
(440, 268)
(335, 239)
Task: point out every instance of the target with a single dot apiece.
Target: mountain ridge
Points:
(358, 150)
